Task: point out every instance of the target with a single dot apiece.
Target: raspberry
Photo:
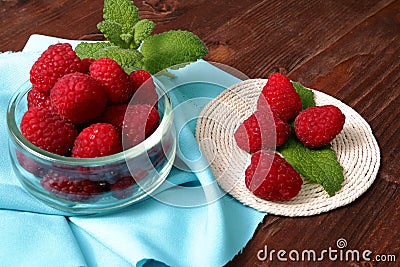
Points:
(37, 98)
(113, 78)
(141, 121)
(58, 60)
(261, 130)
(114, 115)
(85, 64)
(48, 130)
(97, 140)
(74, 189)
(144, 88)
(281, 96)
(78, 98)
(271, 177)
(157, 155)
(318, 126)
(139, 77)
(31, 165)
(123, 187)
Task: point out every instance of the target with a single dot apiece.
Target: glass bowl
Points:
(113, 181)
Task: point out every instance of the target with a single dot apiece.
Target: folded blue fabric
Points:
(178, 226)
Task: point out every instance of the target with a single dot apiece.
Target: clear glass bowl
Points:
(148, 163)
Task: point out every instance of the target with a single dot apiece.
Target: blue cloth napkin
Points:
(178, 226)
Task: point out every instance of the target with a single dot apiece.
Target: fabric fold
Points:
(30, 239)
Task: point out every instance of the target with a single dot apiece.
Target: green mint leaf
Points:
(112, 31)
(123, 12)
(126, 58)
(89, 50)
(163, 50)
(306, 95)
(127, 37)
(317, 165)
(142, 29)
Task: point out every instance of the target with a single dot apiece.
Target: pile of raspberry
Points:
(269, 176)
(76, 108)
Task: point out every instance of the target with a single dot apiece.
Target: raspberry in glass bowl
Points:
(78, 180)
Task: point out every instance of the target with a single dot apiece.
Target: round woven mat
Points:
(356, 148)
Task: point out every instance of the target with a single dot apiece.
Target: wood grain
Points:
(348, 49)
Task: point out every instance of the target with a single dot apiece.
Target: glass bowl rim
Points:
(151, 141)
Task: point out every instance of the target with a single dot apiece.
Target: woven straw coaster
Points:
(356, 148)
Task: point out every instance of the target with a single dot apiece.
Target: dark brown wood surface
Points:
(347, 48)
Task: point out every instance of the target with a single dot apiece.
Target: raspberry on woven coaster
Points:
(318, 126)
(281, 96)
(263, 129)
(271, 177)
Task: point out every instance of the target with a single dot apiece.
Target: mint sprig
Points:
(316, 165)
(142, 30)
(90, 50)
(129, 36)
(170, 48)
(306, 95)
(123, 12)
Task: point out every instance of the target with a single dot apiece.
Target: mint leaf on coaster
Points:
(306, 95)
(317, 165)
(163, 50)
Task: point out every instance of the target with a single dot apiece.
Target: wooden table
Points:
(349, 49)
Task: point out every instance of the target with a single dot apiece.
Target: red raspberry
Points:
(31, 165)
(281, 96)
(85, 64)
(58, 60)
(78, 97)
(318, 126)
(123, 187)
(37, 98)
(141, 121)
(114, 79)
(262, 129)
(48, 130)
(139, 77)
(67, 187)
(271, 177)
(114, 115)
(97, 140)
(144, 88)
